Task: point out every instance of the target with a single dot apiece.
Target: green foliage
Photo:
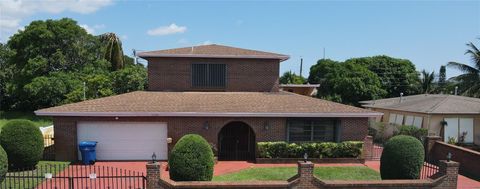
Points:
(47, 63)
(396, 75)
(347, 83)
(114, 51)
(426, 81)
(452, 140)
(402, 158)
(23, 142)
(291, 78)
(191, 159)
(314, 150)
(418, 133)
(469, 81)
(3, 164)
(132, 78)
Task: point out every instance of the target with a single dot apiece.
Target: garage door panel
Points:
(125, 140)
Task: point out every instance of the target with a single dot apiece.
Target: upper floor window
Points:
(209, 75)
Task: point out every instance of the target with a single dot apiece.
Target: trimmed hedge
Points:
(347, 149)
(23, 142)
(3, 164)
(402, 158)
(191, 159)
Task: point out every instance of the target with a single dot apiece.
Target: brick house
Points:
(228, 95)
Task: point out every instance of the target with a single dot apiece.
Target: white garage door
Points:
(125, 140)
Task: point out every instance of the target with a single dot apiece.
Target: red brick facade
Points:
(174, 74)
(66, 132)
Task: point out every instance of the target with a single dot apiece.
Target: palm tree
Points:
(427, 81)
(469, 81)
(113, 51)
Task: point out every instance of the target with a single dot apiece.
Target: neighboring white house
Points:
(443, 115)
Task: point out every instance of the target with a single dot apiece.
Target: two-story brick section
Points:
(228, 95)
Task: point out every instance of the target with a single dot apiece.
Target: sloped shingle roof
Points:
(246, 104)
(429, 103)
(213, 51)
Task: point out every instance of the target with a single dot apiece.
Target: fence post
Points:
(367, 147)
(153, 175)
(429, 142)
(305, 174)
(450, 170)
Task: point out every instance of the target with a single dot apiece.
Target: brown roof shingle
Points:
(246, 104)
(213, 51)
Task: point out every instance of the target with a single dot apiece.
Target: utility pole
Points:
(301, 66)
(134, 56)
(323, 53)
(84, 91)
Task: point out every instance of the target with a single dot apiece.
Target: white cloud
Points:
(167, 30)
(124, 37)
(89, 29)
(92, 29)
(14, 11)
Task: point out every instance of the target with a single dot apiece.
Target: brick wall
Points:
(66, 132)
(469, 160)
(305, 179)
(174, 74)
(353, 129)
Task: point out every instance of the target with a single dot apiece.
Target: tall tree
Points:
(396, 75)
(113, 50)
(442, 79)
(291, 78)
(427, 81)
(347, 83)
(469, 81)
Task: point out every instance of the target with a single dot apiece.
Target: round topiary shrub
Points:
(191, 159)
(3, 164)
(402, 158)
(23, 142)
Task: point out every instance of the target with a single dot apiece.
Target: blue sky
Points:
(428, 33)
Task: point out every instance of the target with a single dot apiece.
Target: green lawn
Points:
(39, 121)
(284, 173)
(42, 168)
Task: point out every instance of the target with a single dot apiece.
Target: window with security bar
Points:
(209, 76)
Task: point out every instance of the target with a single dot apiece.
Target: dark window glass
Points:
(308, 130)
(209, 75)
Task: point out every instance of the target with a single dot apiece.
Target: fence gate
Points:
(376, 152)
(49, 176)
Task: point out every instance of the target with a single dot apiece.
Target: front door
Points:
(236, 142)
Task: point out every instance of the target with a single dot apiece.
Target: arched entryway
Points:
(236, 141)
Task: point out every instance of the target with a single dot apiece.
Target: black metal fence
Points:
(428, 170)
(63, 176)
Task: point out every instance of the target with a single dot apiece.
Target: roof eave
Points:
(280, 57)
(205, 114)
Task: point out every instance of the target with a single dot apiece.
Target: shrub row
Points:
(347, 149)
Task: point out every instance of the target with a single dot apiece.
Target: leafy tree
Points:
(427, 81)
(442, 80)
(291, 78)
(396, 75)
(113, 51)
(347, 83)
(469, 81)
(46, 47)
(5, 73)
(131, 78)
